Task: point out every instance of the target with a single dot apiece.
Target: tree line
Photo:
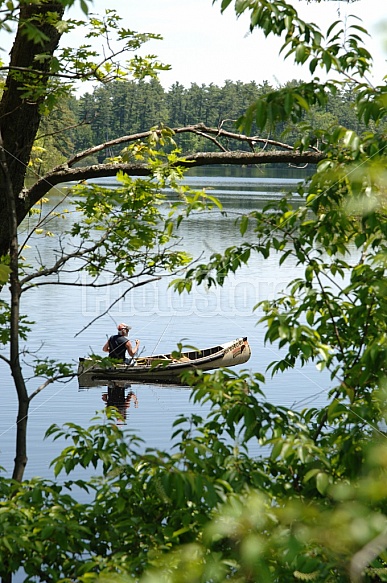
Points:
(130, 107)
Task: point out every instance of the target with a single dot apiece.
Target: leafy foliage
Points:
(208, 509)
(85, 62)
(252, 492)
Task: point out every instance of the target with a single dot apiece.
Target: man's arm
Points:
(105, 347)
(132, 351)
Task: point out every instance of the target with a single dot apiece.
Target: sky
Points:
(204, 46)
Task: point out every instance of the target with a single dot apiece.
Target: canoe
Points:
(165, 368)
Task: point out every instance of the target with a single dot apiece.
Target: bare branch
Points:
(50, 215)
(4, 359)
(118, 299)
(250, 158)
(69, 377)
(365, 556)
(204, 134)
(201, 129)
(56, 267)
(62, 175)
(94, 71)
(281, 153)
(62, 130)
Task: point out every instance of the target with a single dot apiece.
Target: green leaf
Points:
(225, 4)
(302, 101)
(261, 114)
(322, 482)
(327, 60)
(244, 223)
(300, 53)
(310, 317)
(5, 272)
(313, 64)
(311, 474)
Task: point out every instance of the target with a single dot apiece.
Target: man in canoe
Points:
(119, 344)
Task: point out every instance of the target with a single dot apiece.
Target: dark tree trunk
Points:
(21, 435)
(14, 360)
(20, 112)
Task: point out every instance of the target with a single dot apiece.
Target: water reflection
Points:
(117, 397)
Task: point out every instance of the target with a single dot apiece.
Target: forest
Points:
(130, 107)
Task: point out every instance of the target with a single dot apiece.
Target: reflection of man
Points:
(115, 397)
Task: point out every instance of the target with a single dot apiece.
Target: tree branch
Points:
(200, 128)
(49, 382)
(365, 556)
(54, 269)
(62, 175)
(118, 299)
(5, 359)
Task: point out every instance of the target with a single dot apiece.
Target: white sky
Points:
(204, 46)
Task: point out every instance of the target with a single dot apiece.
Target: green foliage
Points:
(252, 491)
(5, 328)
(340, 49)
(134, 236)
(51, 368)
(71, 65)
(138, 227)
(85, 62)
(4, 273)
(334, 315)
(208, 509)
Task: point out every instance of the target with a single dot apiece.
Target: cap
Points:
(123, 327)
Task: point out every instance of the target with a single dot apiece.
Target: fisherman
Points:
(118, 344)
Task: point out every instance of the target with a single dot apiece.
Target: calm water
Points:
(160, 318)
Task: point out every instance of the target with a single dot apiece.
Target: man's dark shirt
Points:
(117, 346)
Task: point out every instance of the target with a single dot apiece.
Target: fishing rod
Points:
(162, 334)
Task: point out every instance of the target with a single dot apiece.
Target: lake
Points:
(160, 318)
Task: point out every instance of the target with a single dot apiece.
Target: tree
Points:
(54, 141)
(314, 507)
(31, 88)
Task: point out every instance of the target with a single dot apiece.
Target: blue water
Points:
(160, 318)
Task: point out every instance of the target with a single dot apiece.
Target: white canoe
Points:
(165, 368)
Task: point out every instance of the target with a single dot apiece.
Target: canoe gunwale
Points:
(167, 372)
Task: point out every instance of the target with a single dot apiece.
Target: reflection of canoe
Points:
(165, 367)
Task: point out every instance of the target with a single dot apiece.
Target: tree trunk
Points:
(20, 112)
(23, 400)
(21, 435)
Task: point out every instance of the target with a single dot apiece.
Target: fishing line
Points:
(112, 319)
(162, 334)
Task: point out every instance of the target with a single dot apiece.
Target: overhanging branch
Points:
(213, 134)
(63, 175)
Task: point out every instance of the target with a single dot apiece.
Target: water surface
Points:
(160, 318)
